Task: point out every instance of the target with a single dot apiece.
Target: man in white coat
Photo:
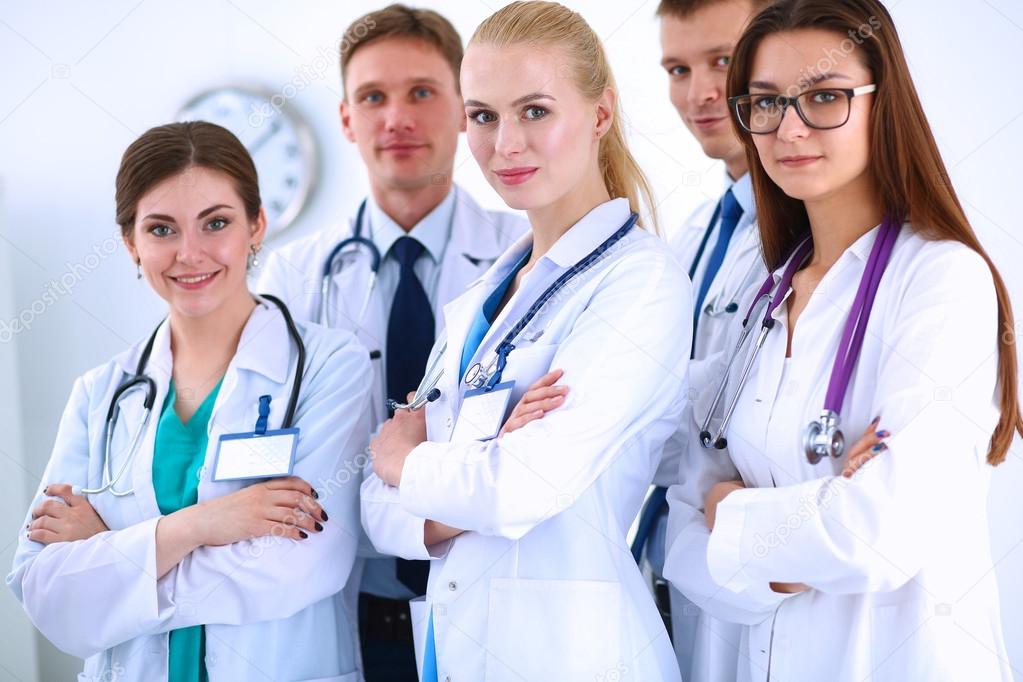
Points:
(720, 246)
(403, 109)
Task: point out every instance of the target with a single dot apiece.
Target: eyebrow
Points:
(819, 78)
(521, 100)
(202, 214)
(723, 48)
(408, 81)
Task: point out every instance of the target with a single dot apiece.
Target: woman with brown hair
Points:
(178, 548)
(865, 560)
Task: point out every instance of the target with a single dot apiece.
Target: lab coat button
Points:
(452, 586)
(448, 422)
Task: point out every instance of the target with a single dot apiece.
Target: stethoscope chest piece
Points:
(823, 438)
(476, 376)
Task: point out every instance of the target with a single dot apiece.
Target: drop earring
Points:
(138, 269)
(253, 256)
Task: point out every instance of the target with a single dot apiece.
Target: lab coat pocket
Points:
(553, 630)
(893, 627)
(419, 610)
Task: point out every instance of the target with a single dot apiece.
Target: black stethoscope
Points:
(141, 380)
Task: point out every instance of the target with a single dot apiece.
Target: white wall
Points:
(81, 80)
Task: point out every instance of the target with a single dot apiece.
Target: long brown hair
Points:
(904, 160)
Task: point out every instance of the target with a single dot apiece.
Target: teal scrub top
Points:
(178, 457)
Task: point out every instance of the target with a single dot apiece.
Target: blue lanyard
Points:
(506, 346)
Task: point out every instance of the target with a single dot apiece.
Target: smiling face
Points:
(192, 239)
(532, 132)
(403, 110)
(696, 52)
(807, 163)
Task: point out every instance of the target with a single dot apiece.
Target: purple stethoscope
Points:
(822, 436)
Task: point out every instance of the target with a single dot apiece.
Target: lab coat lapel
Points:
(348, 293)
(159, 369)
(472, 248)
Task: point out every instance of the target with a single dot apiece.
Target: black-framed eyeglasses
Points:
(823, 109)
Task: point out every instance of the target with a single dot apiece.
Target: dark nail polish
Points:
(883, 434)
(878, 448)
(323, 513)
(45, 489)
(318, 526)
(316, 495)
(302, 534)
(876, 420)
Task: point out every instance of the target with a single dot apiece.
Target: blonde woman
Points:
(525, 519)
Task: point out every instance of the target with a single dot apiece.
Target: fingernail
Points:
(316, 495)
(302, 534)
(45, 489)
(318, 526)
(883, 434)
(876, 419)
(878, 448)
(323, 513)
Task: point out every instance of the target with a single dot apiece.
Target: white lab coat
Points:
(707, 647)
(542, 586)
(272, 607)
(897, 557)
(293, 273)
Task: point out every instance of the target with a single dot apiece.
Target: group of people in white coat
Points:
(415, 447)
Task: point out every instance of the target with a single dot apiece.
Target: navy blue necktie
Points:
(731, 212)
(410, 329)
(410, 332)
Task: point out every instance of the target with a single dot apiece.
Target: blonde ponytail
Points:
(553, 25)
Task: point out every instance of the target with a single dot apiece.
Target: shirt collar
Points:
(592, 229)
(432, 231)
(742, 189)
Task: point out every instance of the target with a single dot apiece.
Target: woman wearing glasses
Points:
(868, 561)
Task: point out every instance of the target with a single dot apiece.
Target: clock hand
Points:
(261, 140)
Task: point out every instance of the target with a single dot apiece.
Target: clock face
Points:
(280, 143)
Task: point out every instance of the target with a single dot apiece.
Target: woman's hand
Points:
(870, 445)
(397, 438)
(714, 497)
(282, 507)
(64, 517)
(541, 397)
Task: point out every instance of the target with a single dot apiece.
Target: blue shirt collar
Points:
(433, 231)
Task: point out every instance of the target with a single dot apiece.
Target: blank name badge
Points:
(243, 456)
(481, 415)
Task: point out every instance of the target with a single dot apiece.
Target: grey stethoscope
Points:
(427, 390)
(140, 380)
(822, 437)
(350, 244)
